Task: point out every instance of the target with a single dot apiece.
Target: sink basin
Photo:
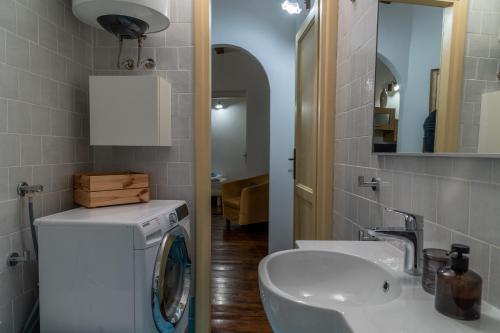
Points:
(323, 277)
(353, 287)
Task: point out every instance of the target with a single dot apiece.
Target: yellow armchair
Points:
(246, 201)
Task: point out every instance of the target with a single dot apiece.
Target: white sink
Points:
(320, 277)
(351, 287)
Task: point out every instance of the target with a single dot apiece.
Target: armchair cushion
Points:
(246, 201)
(233, 202)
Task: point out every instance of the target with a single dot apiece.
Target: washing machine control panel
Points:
(172, 218)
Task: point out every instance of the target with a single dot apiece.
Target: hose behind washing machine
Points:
(33, 322)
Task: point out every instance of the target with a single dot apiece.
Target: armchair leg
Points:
(228, 224)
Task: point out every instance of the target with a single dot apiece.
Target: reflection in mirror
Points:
(437, 86)
(409, 43)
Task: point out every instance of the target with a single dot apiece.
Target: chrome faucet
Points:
(412, 235)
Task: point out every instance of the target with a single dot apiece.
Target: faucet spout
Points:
(412, 236)
(412, 241)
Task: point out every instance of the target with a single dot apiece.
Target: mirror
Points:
(436, 88)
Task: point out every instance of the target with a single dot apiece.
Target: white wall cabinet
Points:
(130, 111)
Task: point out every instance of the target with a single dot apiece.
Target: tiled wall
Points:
(481, 66)
(171, 168)
(459, 197)
(45, 59)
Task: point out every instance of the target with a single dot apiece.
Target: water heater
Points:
(129, 19)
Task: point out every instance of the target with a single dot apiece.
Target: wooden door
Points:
(306, 129)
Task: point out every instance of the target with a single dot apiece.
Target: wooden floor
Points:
(236, 306)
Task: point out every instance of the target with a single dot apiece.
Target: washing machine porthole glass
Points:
(171, 280)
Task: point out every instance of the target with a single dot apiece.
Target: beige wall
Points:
(458, 197)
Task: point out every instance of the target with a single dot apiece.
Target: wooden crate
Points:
(108, 189)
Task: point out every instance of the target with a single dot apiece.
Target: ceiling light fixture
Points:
(219, 106)
(291, 7)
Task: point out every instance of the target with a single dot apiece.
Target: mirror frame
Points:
(451, 75)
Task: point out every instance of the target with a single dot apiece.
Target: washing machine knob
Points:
(172, 218)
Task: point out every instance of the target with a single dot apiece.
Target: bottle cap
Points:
(458, 262)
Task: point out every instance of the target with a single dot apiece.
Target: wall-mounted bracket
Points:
(374, 184)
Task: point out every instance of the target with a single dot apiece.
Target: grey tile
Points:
(49, 93)
(179, 34)
(484, 212)
(19, 117)
(487, 69)
(8, 15)
(167, 59)
(424, 195)
(470, 68)
(9, 219)
(42, 174)
(29, 87)
(23, 304)
(472, 168)
(182, 11)
(186, 58)
(27, 23)
(31, 150)
(473, 90)
(51, 203)
(9, 150)
(61, 177)
(453, 204)
(494, 287)
(439, 166)
(481, 4)
(40, 60)
(474, 22)
(64, 43)
(17, 51)
(8, 82)
(2, 45)
(402, 191)
(478, 46)
(179, 174)
(40, 118)
(180, 81)
(3, 115)
(18, 175)
(12, 279)
(4, 184)
(71, 23)
(496, 171)
(490, 23)
(38, 6)
(6, 324)
(57, 150)
(56, 12)
(47, 34)
(436, 236)
(59, 123)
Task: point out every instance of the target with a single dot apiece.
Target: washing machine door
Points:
(171, 280)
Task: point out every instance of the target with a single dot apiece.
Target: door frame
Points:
(327, 69)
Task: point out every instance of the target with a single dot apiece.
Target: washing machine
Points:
(116, 269)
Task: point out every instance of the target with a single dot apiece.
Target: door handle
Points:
(294, 159)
